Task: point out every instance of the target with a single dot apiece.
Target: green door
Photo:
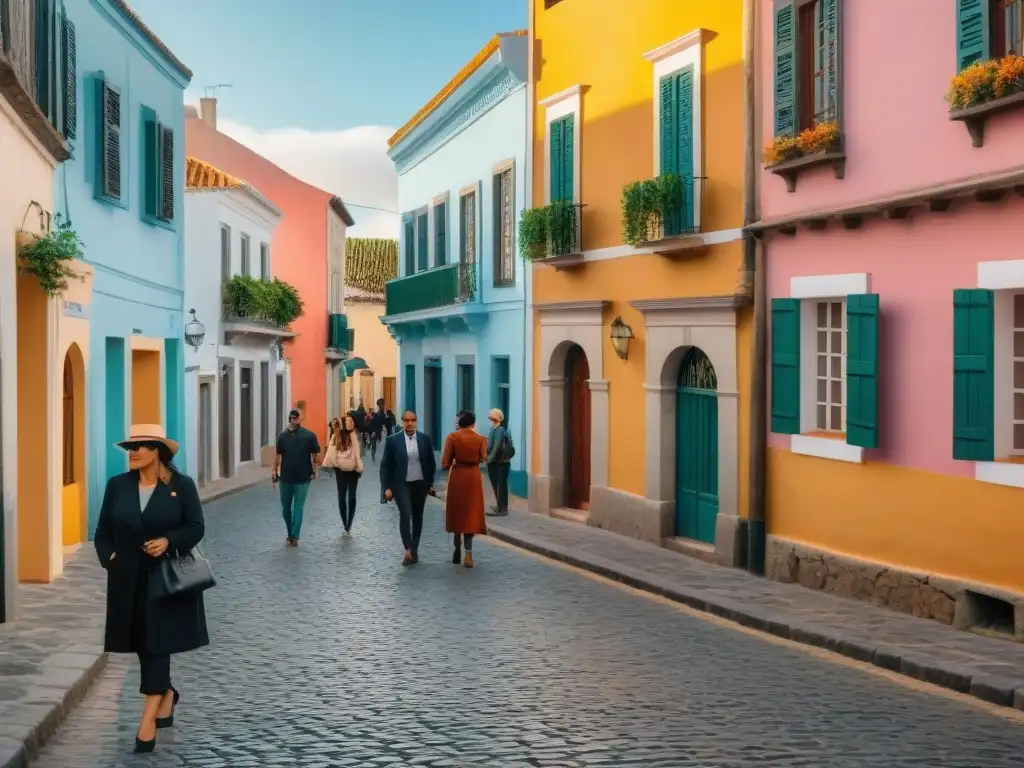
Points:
(696, 448)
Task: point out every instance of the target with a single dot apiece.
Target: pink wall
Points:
(298, 252)
(898, 58)
(914, 266)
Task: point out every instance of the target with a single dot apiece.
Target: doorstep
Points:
(990, 669)
(50, 655)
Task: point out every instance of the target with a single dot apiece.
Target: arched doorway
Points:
(73, 448)
(696, 447)
(577, 429)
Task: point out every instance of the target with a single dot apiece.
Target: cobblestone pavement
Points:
(333, 655)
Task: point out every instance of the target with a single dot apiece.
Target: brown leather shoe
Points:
(467, 561)
(407, 560)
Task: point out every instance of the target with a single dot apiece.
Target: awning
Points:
(354, 364)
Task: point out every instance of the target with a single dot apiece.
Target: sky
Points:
(318, 86)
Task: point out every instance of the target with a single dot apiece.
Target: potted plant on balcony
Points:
(49, 257)
(240, 298)
(647, 206)
(533, 234)
(985, 88)
(286, 305)
(786, 156)
(269, 301)
(562, 228)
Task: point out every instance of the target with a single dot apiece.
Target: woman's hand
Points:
(112, 556)
(155, 547)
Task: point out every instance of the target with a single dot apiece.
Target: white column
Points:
(552, 426)
(598, 432)
(660, 416)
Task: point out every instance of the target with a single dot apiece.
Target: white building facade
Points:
(237, 382)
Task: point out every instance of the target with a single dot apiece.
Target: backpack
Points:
(508, 449)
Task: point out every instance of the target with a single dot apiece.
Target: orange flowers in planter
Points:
(986, 80)
(822, 138)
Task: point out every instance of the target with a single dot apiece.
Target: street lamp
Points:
(195, 332)
(620, 335)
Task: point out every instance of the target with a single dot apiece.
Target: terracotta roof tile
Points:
(201, 175)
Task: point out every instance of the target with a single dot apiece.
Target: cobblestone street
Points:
(333, 655)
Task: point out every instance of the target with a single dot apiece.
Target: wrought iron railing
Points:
(668, 205)
(434, 288)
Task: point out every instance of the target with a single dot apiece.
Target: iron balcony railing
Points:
(442, 286)
(666, 206)
(565, 228)
(680, 215)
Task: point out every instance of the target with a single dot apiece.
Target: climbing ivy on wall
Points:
(370, 262)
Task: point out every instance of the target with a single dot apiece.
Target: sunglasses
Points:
(131, 447)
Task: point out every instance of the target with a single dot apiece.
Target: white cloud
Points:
(352, 164)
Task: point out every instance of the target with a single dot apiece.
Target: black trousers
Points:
(498, 475)
(410, 514)
(346, 482)
(156, 670)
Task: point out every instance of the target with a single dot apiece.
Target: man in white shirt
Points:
(407, 471)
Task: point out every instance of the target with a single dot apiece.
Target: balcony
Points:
(442, 298)
(259, 309)
(663, 214)
(553, 235)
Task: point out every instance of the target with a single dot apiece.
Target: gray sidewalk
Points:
(990, 669)
(50, 655)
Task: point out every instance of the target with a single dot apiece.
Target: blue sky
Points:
(325, 64)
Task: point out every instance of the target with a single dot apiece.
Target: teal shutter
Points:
(786, 366)
(555, 160)
(973, 378)
(568, 158)
(862, 370)
(785, 69)
(833, 52)
(421, 244)
(440, 235)
(70, 78)
(150, 164)
(684, 153)
(165, 174)
(972, 32)
(410, 388)
(410, 248)
(44, 44)
(668, 125)
(110, 141)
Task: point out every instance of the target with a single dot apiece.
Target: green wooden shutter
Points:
(410, 248)
(555, 160)
(972, 32)
(786, 366)
(684, 152)
(410, 388)
(150, 165)
(440, 234)
(43, 44)
(973, 378)
(568, 157)
(421, 244)
(165, 178)
(862, 370)
(668, 125)
(833, 52)
(785, 69)
(110, 141)
(70, 78)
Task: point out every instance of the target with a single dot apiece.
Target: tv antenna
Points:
(211, 90)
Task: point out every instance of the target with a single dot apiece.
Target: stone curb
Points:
(16, 753)
(912, 663)
(228, 492)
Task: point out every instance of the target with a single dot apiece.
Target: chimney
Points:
(208, 110)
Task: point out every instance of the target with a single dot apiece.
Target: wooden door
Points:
(696, 449)
(245, 412)
(224, 436)
(578, 430)
(389, 392)
(205, 432)
(433, 404)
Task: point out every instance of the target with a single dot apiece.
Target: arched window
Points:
(69, 423)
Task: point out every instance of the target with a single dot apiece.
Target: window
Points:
(110, 142)
(807, 37)
(830, 366)
(69, 424)
(69, 78)
(422, 258)
(1006, 28)
(409, 384)
(159, 168)
(502, 391)
(988, 29)
(675, 133)
(409, 244)
(245, 255)
(440, 234)
(467, 228)
(562, 158)
(504, 225)
(467, 384)
(264, 261)
(225, 253)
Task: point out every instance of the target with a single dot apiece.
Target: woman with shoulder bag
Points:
(343, 453)
(151, 516)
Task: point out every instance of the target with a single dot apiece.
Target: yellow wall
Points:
(146, 387)
(73, 499)
(374, 344)
(886, 514)
(616, 148)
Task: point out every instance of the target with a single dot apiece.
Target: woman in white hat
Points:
(147, 512)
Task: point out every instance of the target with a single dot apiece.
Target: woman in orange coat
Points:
(464, 452)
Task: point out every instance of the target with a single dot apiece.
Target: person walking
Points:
(499, 457)
(344, 456)
(407, 470)
(148, 512)
(295, 465)
(464, 451)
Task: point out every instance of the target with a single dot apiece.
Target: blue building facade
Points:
(123, 191)
(457, 309)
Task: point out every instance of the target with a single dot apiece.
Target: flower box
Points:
(789, 156)
(985, 88)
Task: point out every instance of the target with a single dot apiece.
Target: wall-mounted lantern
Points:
(195, 332)
(620, 335)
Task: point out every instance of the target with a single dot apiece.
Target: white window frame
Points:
(829, 303)
(810, 290)
(1006, 278)
(442, 199)
(556, 106)
(668, 59)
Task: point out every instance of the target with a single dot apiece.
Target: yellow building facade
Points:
(640, 291)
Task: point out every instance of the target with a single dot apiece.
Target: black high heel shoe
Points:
(142, 747)
(167, 722)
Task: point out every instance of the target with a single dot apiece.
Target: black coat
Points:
(394, 464)
(173, 624)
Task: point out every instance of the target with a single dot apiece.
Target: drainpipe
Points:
(754, 282)
(526, 439)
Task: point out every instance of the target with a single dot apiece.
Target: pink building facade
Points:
(892, 237)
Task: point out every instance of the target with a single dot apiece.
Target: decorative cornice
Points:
(676, 46)
(729, 301)
(568, 93)
(572, 306)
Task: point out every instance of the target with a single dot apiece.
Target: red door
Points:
(578, 430)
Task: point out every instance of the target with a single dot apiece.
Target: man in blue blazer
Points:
(407, 471)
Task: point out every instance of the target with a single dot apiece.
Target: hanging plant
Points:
(270, 301)
(49, 257)
(533, 234)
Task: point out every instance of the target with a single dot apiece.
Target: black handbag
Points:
(182, 575)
